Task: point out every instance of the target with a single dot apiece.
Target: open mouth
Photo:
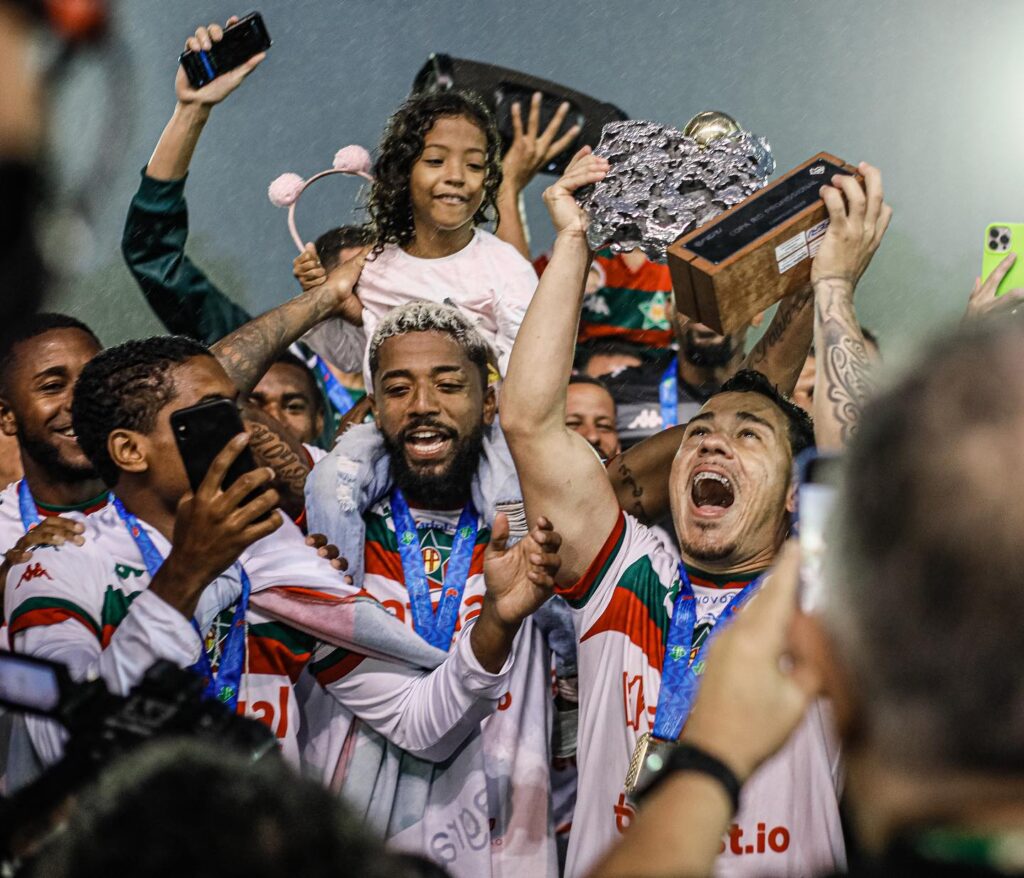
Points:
(711, 489)
(67, 432)
(426, 443)
(452, 199)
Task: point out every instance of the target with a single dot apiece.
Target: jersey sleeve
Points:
(55, 607)
(514, 292)
(153, 244)
(428, 714)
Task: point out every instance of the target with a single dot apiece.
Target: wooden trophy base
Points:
(746, 259)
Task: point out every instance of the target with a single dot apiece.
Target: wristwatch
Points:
(686, 757)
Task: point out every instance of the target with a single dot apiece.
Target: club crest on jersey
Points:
(431, 560)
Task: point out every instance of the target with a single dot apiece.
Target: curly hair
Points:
(32, 327)
(124, 388)
(389, 204)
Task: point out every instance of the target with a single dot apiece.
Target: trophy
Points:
(757, 252)
(663, 183)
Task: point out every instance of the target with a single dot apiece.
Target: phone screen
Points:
(818, 480)
(28, 685)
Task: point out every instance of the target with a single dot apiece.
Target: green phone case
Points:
(1000, 239)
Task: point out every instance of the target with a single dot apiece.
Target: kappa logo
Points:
(648, 419)
(33, 571)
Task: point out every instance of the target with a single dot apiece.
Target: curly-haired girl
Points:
(436, 179)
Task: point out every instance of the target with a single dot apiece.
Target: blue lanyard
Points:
(27, 506)
(337, 393)
(225, 685)
(680, 677)
(435, 628)
(668, 395)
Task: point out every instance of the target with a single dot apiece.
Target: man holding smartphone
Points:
(162, 563)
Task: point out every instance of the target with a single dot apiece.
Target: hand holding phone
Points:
(817, 478)
(216, 60)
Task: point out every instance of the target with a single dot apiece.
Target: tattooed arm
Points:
(251, 349)
(843, 381)
(272, 445)
(780, 353)
(639, 475)
(858, 218)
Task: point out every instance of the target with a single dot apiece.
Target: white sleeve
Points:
(58, 615)
(518, 284)
(427, 714)
(338, 342)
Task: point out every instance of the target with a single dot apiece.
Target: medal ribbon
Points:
(27, 506)
(680, 677)
(435, 628)
(337, 393)
(226, 684)
(668, 395)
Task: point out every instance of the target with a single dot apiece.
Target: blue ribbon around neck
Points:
(337, 393)
(435, 628)
(680, 677)
(27, 506)
(668, 395)
(225, 685)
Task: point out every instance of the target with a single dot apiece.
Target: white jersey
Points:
(88, 606)
(517, 736)
(12, 528)
(788, 823)
(488, 280)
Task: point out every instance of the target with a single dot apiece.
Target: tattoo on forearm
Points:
(848, 377)
(272, 450)
(789, 309)
(250, 350)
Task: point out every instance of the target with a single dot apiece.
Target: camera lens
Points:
(1005, 240)
(993, 245)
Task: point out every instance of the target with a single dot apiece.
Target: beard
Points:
(442, 485)
(707, 551)
(699, 352)
(50, 460)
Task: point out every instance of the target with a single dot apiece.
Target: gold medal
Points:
(649, 757)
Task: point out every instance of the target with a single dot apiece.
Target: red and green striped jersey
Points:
(623, 606)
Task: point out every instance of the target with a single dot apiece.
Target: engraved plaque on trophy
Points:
(737, 264)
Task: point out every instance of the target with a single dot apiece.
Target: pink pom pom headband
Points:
(286, 189)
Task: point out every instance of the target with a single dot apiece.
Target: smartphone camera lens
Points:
(993, 245)
(1005, 240)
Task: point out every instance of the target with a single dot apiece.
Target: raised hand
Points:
(856, 226)
(521, 578)
(566, 215)
(983, 300)
(213, 92)
(530, 151)
(214, 526)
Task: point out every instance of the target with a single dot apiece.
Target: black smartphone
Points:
(201, 432)
(245, 38)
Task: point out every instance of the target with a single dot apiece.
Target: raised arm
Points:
(529, 151)
(251, 349)
(561, 476)
(858, 218)
(156, 229)
(780, 353)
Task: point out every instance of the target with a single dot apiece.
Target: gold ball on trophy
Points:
(711, 125)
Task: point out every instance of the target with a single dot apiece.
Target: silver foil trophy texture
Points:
(663, 183)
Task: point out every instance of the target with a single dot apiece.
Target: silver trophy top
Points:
(664, 183)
